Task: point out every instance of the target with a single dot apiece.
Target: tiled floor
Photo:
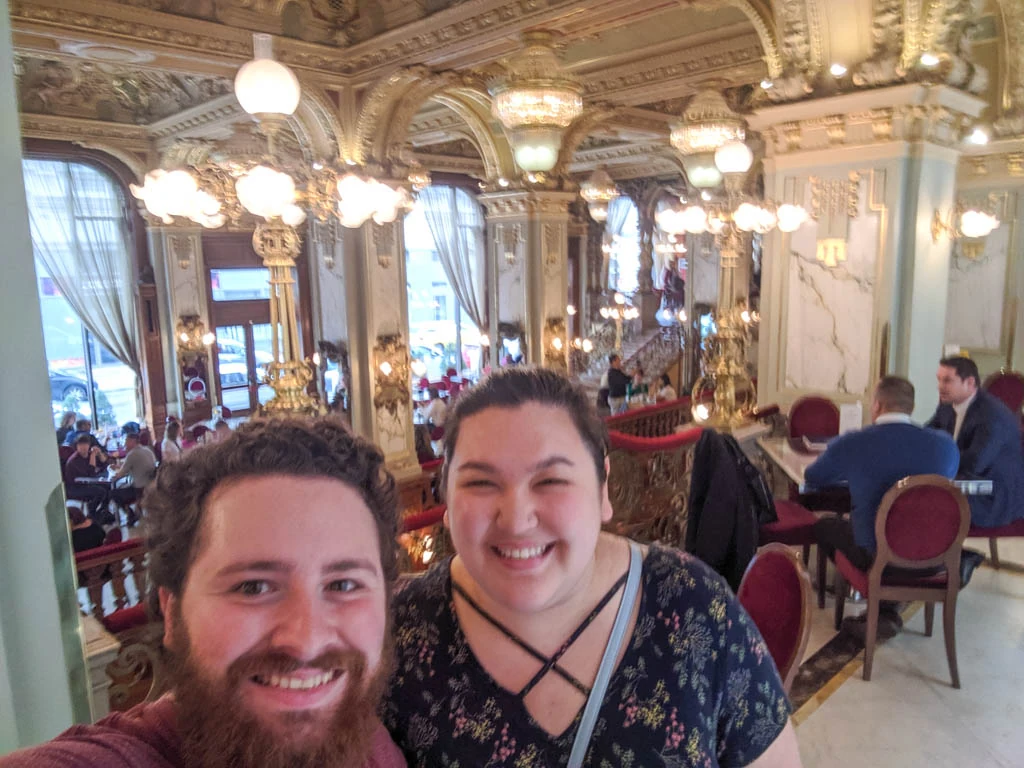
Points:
(909, 716)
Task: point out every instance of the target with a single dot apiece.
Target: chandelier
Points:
(724, 394)
(707, 124)
(598, 191)
(535, 102)
(279, 193)
(270, 187)
(733, 160)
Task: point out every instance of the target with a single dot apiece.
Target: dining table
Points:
(793, 457)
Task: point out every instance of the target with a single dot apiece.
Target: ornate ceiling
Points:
(403, 80)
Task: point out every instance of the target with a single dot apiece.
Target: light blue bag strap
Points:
(611, 654)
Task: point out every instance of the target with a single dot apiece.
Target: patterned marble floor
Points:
(909, 716)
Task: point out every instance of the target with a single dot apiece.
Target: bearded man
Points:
(272, 558)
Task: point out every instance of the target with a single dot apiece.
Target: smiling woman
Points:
(545, 642)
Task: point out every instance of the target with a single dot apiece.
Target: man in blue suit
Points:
(871, 461)
(988, 437)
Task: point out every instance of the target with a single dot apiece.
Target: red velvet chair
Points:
(922, 523)
(814, 417)
(1008, 386)
(1013, 530)
(776, 592)
(795, 527)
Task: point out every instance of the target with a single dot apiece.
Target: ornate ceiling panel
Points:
(109, 92)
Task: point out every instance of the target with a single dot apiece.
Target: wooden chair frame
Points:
(877, 591)
(789, 667)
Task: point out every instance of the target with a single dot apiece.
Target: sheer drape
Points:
(457, 226)
(619, 212)
(79, 234)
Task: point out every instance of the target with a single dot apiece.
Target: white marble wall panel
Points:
(977, 291)
(188, 294)
(511, 294)
(329, 274)
(830, 309)
(702, 269)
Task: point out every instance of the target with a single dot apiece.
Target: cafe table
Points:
(793, 460)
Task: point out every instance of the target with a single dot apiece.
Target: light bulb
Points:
(837, 70)
(265, 192)
(791, 217)
(588, 345)
(316, 359)
(570, 310)
(977, 223)
(929, 59)
(386, 368)
(620, 299)
(978, 137)
(682, 315)
(556, 343)
(209, 338)
(702, 412)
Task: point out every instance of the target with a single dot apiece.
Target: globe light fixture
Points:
(278, 191)
(535, 102)
(734, 157)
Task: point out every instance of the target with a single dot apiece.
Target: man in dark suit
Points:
(871, 461)
(989, 440)
(988, 436)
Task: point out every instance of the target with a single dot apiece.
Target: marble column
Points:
(377, 320)
(860, 290)
(177, 254)
(528, 230)
(43, 678)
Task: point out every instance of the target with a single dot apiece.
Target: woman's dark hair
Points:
(175, 502)
(173, 430)
(514, 387)
(75, 515)
(665, 380)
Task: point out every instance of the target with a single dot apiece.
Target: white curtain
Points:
(79, 234)
(619, 212)
(457, 226)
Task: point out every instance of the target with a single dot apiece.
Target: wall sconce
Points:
(968, 225)
(554, 344)
(391, 377)
(193, 338)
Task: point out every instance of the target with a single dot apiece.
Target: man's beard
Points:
(217, 728)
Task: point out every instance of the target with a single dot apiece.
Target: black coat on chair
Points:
(726, 507)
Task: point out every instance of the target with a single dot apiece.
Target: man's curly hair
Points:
(175, 503)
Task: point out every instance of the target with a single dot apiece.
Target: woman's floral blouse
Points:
(696, 686)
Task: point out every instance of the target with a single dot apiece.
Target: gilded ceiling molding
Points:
(110, 20)
(321, 122)
(583, 125)
(128, 143)
(639, 82)
(1011, 120)
(472, 105)
(795, 37)
(451, 30)
(390, 138)
(470, 166)
(377, 104)
(761, 19)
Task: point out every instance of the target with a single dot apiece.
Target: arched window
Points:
(622, 235)
(444, 251)
(77, 216)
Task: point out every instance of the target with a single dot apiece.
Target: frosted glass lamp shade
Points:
(734, 157)
(266, 86)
